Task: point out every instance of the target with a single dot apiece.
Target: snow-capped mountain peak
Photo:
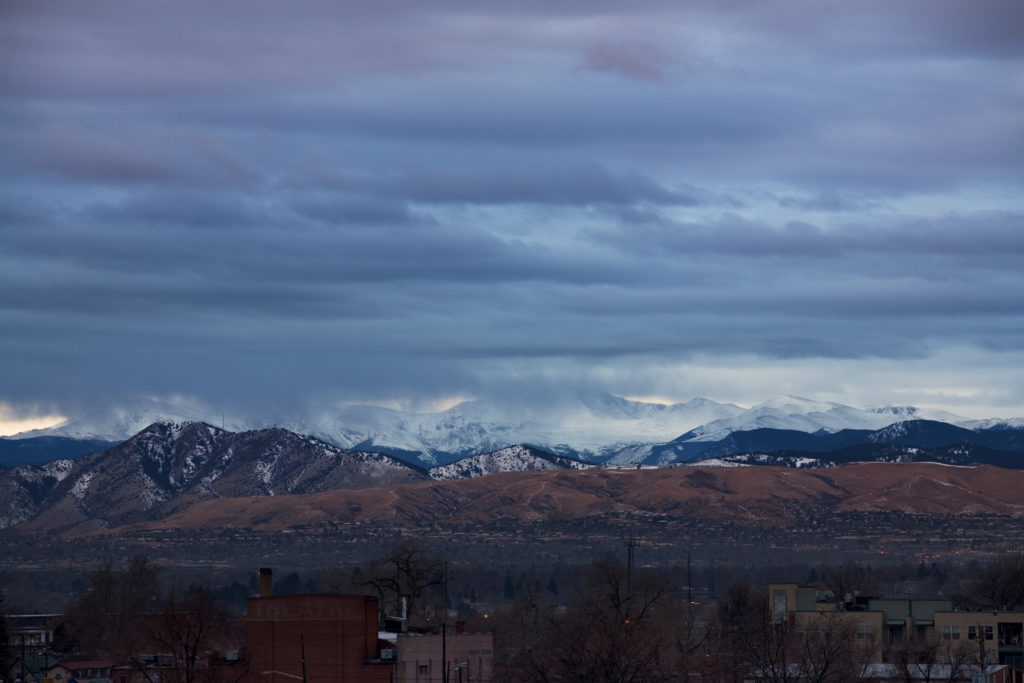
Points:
(517, 458)
(803, 415)
(794, 405)
(117, 423)
(594, 426)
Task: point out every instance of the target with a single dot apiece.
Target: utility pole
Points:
(689, 581)
(302, 647)
(444, 628)
(630, 545)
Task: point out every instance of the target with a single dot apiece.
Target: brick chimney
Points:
(266, 582)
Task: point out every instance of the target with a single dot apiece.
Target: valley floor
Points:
(866, 537)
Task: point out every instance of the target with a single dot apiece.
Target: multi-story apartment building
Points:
(997, 636)
(896, 629)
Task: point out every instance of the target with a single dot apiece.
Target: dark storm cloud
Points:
(239, 200)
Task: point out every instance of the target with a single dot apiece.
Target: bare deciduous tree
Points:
(410, 572)
(850, 578)
(187, 628)
(107, 616)
(167, 637)
(620, 629)
(927, 658)
(822, 648)
(1000, 584)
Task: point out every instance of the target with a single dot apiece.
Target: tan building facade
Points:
(421, 658)
(904, 627)
(803, 608)
(999, 635)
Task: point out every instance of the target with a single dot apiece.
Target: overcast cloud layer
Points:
(260, 204)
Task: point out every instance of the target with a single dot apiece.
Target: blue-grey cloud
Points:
(643, 61)
(251, 203)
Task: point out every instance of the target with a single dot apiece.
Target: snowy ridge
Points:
(172, 464)
(799, 463)
(720, 462)
(120, 423)
(593, 427)
(890, 433)
(511, 459)
(921, 433)
(915, 413)
(23, 488)
(994, 423)
(57, 470)
(798, 414)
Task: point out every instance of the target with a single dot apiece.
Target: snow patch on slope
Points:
(795, 413)
(592, 425)
(511, 459)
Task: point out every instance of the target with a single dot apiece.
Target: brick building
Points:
(317, 638)
(326, 638)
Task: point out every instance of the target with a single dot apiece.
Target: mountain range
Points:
(593, 427)
(170, 466)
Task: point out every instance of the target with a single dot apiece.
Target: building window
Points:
(865, 631)
(974, 631)
(951, 632)
(422, 670)
(779, 606)
(1011, 635)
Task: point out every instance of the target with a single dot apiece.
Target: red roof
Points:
(88, 664)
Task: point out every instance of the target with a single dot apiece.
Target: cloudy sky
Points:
(257, 205)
